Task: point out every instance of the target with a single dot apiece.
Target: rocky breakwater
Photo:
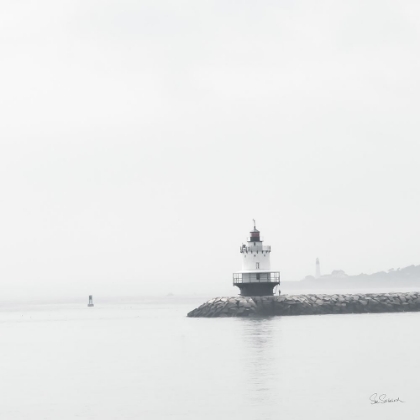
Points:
(310, 304)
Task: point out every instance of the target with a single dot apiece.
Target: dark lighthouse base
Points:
(257, 289)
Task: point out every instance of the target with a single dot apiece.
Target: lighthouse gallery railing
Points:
(254, 249)
(270, 277)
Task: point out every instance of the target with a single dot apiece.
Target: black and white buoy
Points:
(90, 304)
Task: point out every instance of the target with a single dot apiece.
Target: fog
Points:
(138, 140)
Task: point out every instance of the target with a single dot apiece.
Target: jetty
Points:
(308, 304)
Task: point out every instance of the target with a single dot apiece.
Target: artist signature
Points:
(382, 399)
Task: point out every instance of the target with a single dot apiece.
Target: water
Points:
(146, 360)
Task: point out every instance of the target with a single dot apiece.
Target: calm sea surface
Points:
(146, 360)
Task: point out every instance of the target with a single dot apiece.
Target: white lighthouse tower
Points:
(256, 277)
(317, 269)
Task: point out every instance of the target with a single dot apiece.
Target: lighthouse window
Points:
(258, 265)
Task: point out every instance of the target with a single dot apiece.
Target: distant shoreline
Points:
(338, 279)
(349, 284)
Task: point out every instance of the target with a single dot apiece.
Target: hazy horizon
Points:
(138, 140)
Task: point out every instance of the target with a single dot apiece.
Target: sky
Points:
(138, 140)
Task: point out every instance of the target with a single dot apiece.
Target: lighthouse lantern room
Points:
(256, 277)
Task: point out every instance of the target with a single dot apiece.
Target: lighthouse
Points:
(317, 269)
(256, 277)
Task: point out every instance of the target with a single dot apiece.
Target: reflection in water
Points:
(262, 366)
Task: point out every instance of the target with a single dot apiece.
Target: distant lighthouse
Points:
(317, 269)
(256, 277)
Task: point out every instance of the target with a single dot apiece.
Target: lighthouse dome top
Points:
(254, 234)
